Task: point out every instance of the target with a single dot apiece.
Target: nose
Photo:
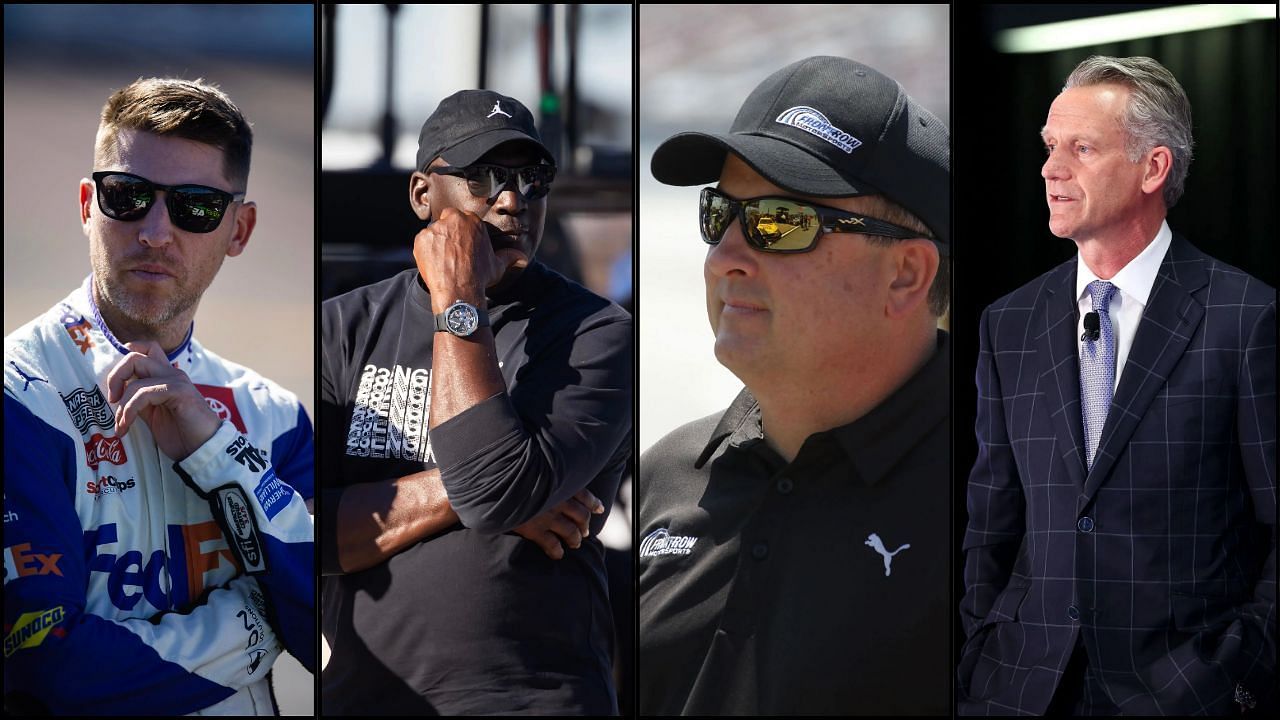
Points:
(155, 229)
(1055, 167)
(732, 255)
(509, 201)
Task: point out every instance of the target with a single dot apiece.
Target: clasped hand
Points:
(145, 385)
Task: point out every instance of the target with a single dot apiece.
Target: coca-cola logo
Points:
(101, 448)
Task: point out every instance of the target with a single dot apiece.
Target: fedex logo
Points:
(22, 561)
(167, 582)
(77, 327)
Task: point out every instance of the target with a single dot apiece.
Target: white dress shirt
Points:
(1133, 289)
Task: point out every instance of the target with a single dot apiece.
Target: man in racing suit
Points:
(158, 546)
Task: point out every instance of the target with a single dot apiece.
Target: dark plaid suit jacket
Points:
(1171, 580)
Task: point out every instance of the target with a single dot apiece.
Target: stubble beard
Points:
(151, 316)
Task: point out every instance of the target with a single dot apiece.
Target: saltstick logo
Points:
(662, 542)
(815, 123)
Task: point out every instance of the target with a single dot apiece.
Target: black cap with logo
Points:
(470, 123)
(828, 127)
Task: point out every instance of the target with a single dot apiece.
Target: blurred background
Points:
(1011, 61)
(61, 62)
(383, 70)
(698, 63)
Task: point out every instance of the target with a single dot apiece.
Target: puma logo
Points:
(874, 542)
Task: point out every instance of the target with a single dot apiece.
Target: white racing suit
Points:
(134, 584)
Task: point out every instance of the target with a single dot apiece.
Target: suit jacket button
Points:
(1085, 524)
(760, 551)
(785, 486)
(1073, 612)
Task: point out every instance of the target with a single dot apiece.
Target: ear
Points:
(246, 219)
(915, 266)
(419, 188)
(1156, 170)
(86, 203)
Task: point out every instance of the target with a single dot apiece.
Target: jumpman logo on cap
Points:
(497, 108)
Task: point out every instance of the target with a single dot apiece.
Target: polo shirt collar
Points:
(874, 443)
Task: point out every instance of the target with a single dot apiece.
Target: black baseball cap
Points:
(470, 123)
(828, 127)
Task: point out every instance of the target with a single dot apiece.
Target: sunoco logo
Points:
(815, 123)
(662, 542)
(30, 629)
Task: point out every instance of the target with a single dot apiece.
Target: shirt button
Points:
(1073, 612)
(785, 486)
(1085, 524)
(760, 551)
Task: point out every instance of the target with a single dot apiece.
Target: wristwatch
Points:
(461, 319)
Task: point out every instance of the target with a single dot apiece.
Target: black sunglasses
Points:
(787, 225)
(487, 181)
(194, 208)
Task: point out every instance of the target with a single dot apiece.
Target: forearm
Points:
(465, 370)
(376, 520)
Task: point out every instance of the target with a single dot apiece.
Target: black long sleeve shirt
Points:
(474, 619)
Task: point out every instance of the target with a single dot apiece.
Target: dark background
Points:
(1003, 240)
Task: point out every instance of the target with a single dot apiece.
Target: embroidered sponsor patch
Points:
(272, 493)
(77, 328)
(109, 485)
(246, 454)
(30, 629)
(89, 408)
(251, 617)
(223, 402)
(390, 416)
(242, 528)
(662, 542)
(875, 543)
(102, 448)
(21, 560)
(815, 123)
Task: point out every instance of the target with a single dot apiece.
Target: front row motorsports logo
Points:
(661, 542)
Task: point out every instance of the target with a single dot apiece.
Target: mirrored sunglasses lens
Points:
(125, 198)
(714, 217)
(780, 225)
(535, 181)
(196, 210)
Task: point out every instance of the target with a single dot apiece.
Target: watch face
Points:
(462, 319)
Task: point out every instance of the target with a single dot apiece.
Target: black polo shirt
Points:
(761, 589)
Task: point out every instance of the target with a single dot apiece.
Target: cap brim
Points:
(696, 158)
(472, 149)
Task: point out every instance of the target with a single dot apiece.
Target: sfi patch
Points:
(241, 528)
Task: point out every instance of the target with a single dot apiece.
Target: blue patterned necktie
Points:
(1097, 370)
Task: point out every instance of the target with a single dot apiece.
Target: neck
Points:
(126, 330)
(804, 403)
(1108, 256)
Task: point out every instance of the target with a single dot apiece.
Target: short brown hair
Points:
(188, 109)
(890, 211)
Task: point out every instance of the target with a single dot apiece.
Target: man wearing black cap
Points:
(794, 547)
(476, 400)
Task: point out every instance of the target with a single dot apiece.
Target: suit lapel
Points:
(1168, 322)
(1060, 365)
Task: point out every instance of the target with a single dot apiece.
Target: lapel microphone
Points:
(1091, 326)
